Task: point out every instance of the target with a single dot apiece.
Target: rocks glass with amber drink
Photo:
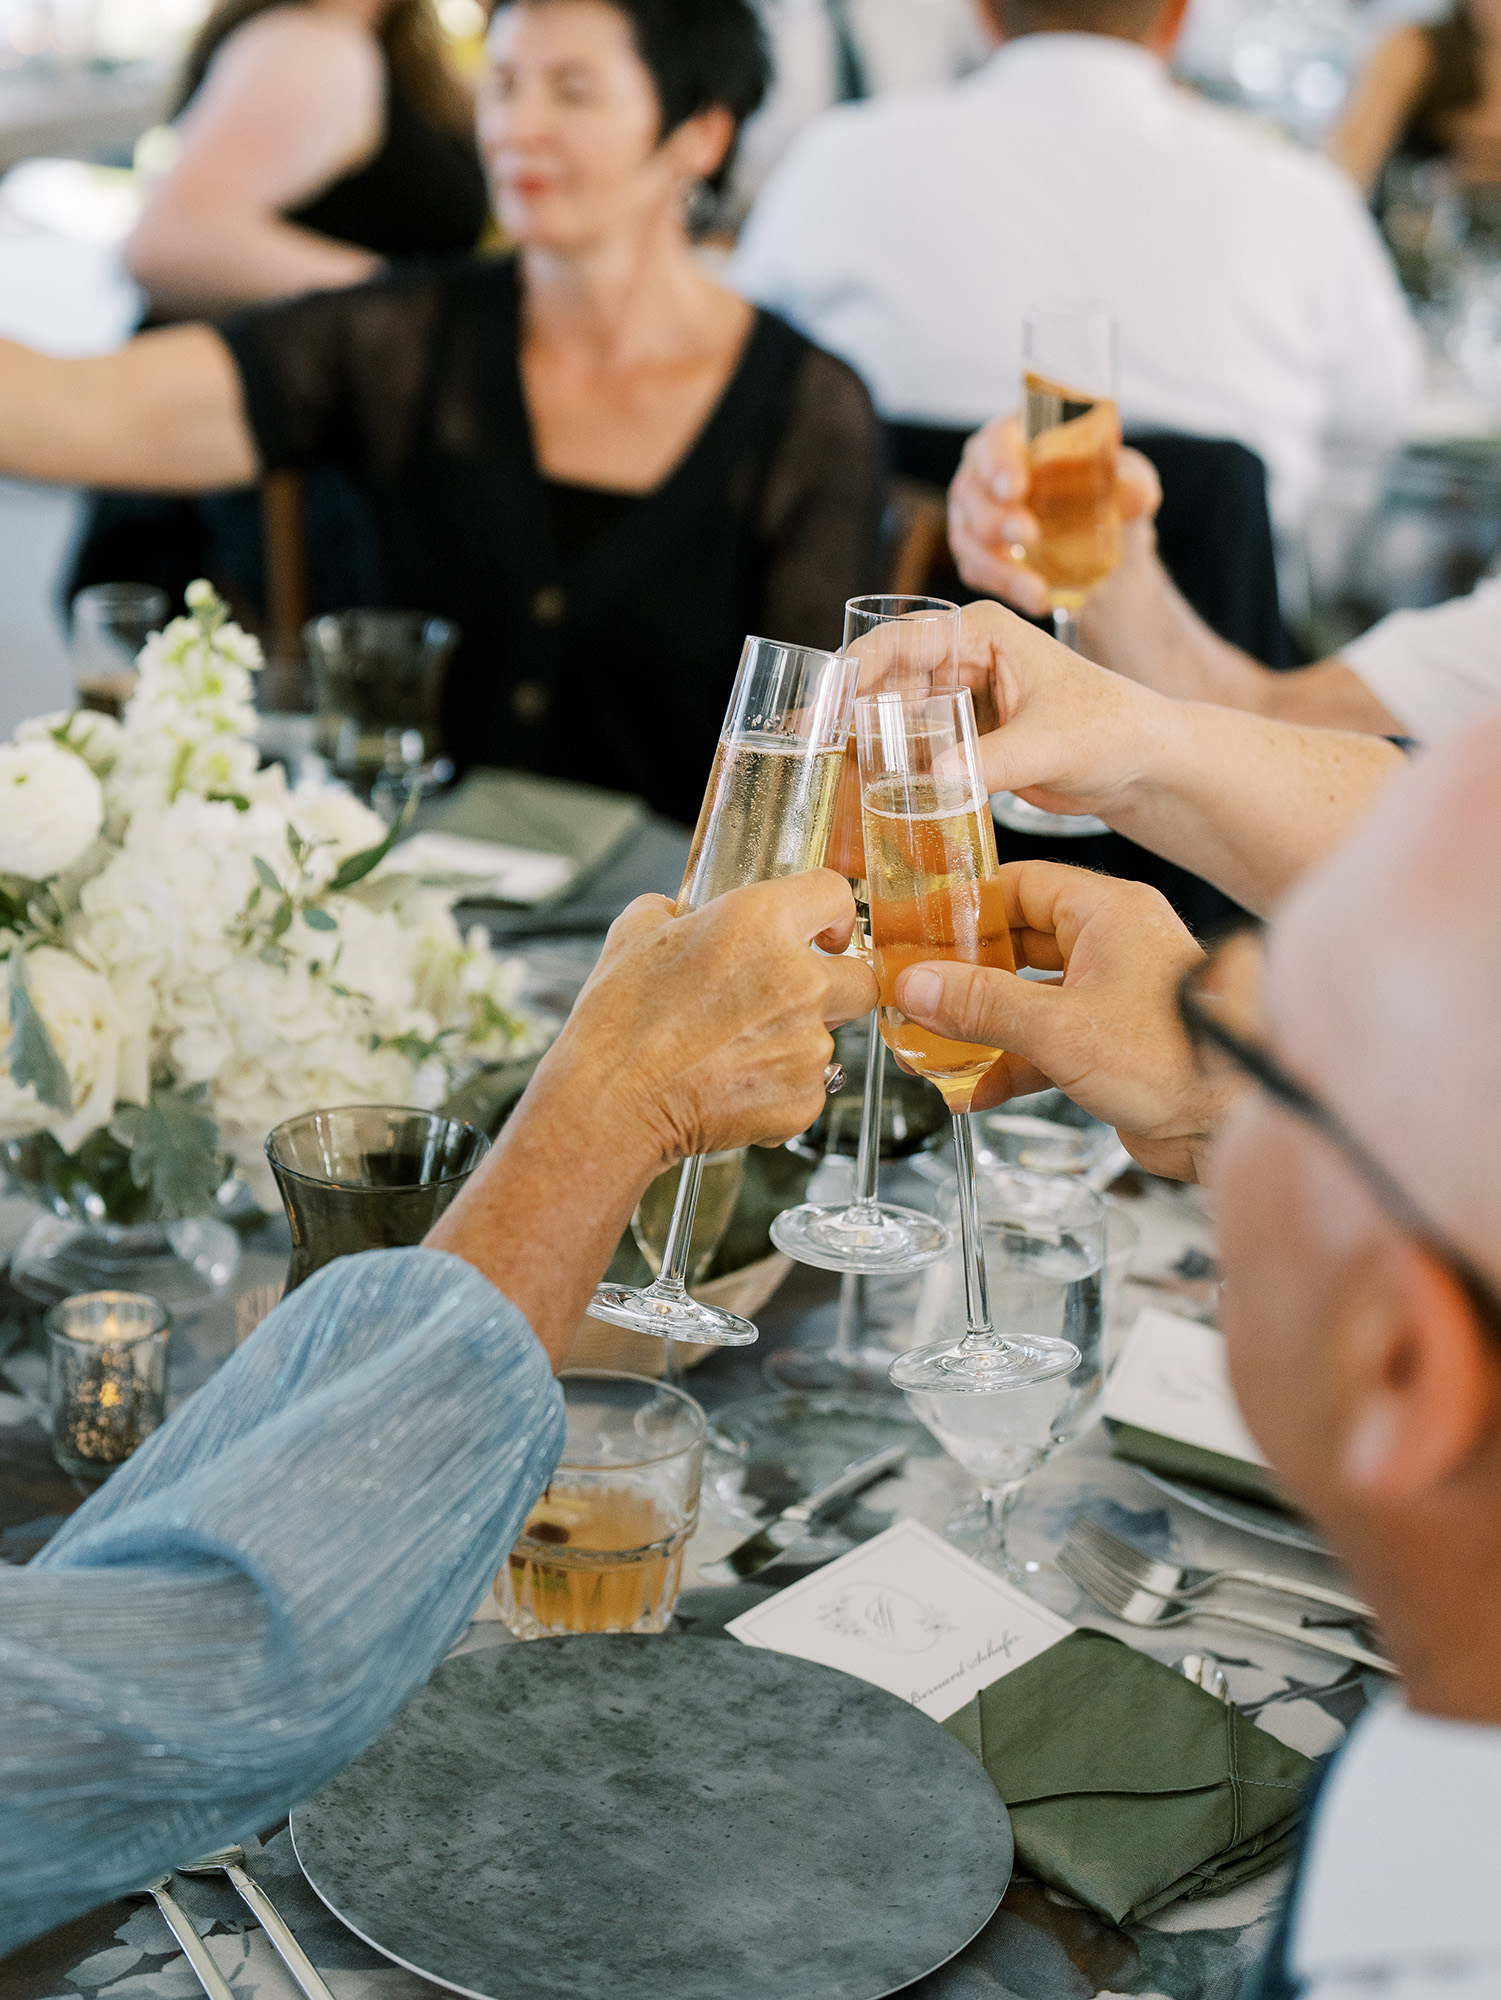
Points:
(936, 894)
(602, 1550)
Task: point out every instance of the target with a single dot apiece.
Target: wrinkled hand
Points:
(1108, 1034)
(1067, 735)
(990, 526)
(712, 1030)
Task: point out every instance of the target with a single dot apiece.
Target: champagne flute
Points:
(767, 811)
(935, 893)
(1073, 433)
(908, 644)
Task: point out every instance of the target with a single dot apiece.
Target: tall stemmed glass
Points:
(767, 812)
(903, 645)
(1073, 435)
(935, 893)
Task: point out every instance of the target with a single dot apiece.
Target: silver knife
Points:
(790, 1526)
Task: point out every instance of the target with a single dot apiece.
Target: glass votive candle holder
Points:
(106, 1378)
(602, 1550)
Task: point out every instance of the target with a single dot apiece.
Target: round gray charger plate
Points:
(659, 1819)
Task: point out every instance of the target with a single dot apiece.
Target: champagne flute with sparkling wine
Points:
(935, 893)
(1073, 433)
(903, 645)
(767, 812)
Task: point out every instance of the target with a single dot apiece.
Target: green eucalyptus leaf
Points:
(174, 1150)
(33, 1059)
(268, 875)
(281, 923)
(358, 866)
(319, 920)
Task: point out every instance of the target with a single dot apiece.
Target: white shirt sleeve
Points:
(1434, 669)
(797, 240)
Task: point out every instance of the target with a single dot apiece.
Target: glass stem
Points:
(1066, 627)
(999, 1500)
(976, 1290)
(843, 1350)
(673, 1275)
(868, 1159)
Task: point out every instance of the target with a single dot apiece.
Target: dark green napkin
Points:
(1127, 1786)
(1176, 1460)
(520, 809)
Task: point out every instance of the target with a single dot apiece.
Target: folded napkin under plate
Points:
(1128, 1787)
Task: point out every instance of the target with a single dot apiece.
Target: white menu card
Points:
(1172, 1378)
(909, 1613)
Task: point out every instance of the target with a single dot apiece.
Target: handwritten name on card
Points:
(909, 1613)
(1172, 1378)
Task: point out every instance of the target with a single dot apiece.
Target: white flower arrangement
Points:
(193, 952)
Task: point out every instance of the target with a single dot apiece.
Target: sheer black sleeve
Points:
(821, 503)
(338, 376)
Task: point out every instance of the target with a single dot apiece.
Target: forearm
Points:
(161, 415)
(543, 1216)
(1140, 625)
(1246, 802)
(256, 1593)
(192, 261)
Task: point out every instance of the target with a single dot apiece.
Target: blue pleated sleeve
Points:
(247, 1602)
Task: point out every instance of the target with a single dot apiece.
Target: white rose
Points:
(82, 1021)
(51, 809)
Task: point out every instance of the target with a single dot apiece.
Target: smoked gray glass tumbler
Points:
(367, 1177)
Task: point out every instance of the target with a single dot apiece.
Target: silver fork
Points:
(177, 1920)
(1126, 1600)
(1178, 1580)
(230, 1861)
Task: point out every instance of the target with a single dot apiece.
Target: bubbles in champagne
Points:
(767, 812)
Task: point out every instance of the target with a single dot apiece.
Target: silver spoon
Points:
(230, 1861)
(177, 1920)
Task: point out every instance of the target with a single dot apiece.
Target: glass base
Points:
(955, 1368)
(864, 1371)
(1023, 818)
(187, 1265)
(873, 1240)
(670, 1315)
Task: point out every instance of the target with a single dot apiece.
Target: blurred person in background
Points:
(313, 142)
(604, 467)
(1430, 91)
(1415, 674)
(1254, 297)
(828, 52)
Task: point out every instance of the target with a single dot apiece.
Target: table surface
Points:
(1039, 1943)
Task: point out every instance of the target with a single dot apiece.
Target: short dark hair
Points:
(1128, 20)
(704, 55)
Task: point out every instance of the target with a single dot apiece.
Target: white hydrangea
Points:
(201, 941)
(51, 809)
(83, 1022)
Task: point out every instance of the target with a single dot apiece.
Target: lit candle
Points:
(107, 1377)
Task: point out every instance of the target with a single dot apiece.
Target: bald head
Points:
(1384, 985)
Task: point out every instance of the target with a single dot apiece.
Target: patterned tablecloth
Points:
(1039, 1944)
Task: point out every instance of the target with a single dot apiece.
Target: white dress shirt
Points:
(901, 45)
(1435, 669)
(1401, 1895)
(1255, 301)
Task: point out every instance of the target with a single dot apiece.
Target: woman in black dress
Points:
(314, 141)
(605, 467)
